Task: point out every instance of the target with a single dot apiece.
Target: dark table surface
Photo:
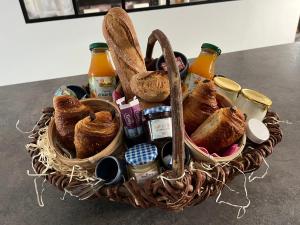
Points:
(275, 71)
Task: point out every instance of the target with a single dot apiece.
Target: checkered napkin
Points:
(141, 154)
(157, 109)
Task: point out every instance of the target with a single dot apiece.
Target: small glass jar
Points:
(227, 88)
(253, 104)
(158, 122)
(142, 162)
(143, 172)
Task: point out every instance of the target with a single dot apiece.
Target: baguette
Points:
(124, 47)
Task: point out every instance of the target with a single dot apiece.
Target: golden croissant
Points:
(199, 105)
(68, 111)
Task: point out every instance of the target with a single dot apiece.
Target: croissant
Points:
(68, 111)
(199, 105)
(94, 133)
(222, 129)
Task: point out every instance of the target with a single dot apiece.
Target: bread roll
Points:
(94, 133)
(199, 105)
(151, 86)
(222, 129)
(124, 47)
(68, 111)
(147, 105)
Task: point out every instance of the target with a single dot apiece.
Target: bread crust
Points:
(124, 47)
(151, 86)
(222, 129)
(199, 105)
(93, 135)
(68, 111)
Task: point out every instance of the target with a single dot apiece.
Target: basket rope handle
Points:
(176, 97)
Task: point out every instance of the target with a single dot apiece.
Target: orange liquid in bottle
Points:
(101, 66)
(102, 77)
(204, 65)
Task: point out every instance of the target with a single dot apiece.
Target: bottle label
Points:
(160, 128)
(192, 80)
(102, 86)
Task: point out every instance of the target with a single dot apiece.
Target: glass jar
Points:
(158, 122)
(142, 162)
(253, 104)
(102, 76)
(227, 88)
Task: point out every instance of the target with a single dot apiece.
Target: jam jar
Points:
(158, 124)
(142, 161)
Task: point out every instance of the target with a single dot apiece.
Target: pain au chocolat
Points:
(94, 133)
(222, 129)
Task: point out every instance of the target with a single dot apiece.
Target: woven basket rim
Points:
(115, 143)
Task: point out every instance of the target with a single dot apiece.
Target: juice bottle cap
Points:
(98, 45)
(212, 47)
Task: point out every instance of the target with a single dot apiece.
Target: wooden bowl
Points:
(200, 155)
(89, 163)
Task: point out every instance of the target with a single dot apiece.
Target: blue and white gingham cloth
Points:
(141, 154)
(157, 109)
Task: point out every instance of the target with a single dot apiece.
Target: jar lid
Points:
(158, 109)
(102, 45)
(227, 84)
(257, 131)
(212, 47)
(141, 154)
(256, 97)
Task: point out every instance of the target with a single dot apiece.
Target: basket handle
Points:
(176, 97)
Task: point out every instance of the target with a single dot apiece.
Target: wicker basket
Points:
(182, 186)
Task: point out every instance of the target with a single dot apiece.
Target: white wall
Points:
(38, 51)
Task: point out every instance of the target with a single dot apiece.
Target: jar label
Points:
(191, 81)
(160, 128)
(142, 177)
(102, 86)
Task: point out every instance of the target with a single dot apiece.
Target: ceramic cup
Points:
(71, 90)
(111, 170)
(166, 155)
(183, 72)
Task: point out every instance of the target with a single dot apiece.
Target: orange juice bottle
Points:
(102, 76)
(203, 66)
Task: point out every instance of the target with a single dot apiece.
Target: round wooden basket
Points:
(115, 147)
(182, 186)
(200, 155)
